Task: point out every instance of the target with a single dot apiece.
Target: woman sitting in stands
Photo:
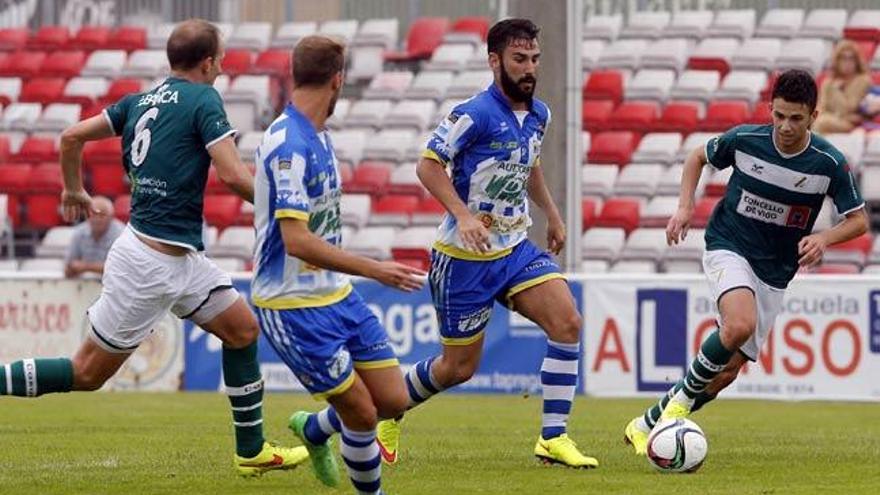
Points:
(842, 91)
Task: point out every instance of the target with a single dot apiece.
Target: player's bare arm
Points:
(676, 229)
(811, 249)
(302, 243)
(75, 201)
(433, 176)
(538, 192)
(230, 170)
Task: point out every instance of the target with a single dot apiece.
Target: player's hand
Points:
(474, 234)
(555, 236)
(399, 276)
(677, 228)
(75, 205)
(811, 249)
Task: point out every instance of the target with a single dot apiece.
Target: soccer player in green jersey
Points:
(758, 237)
(170, 136)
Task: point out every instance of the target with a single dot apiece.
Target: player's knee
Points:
(737, 330)
(568, 330)
(362, 417)
(393, 406)
(243, 336)
(456, 372)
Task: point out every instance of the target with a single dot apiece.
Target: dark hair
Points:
(316, 59)
(503, 32)
(796, 86)
(191, 42)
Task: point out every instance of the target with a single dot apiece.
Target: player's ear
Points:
(494, 60)
(337, 80)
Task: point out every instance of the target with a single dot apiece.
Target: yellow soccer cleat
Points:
(269, 459)
(636, 437)
(675, 410)
(563, 450)
(388, 438)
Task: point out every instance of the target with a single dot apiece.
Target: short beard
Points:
(513, 91)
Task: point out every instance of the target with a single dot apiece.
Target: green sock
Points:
(652, 415)
(35, 377)
(710, 361)
(244, 386)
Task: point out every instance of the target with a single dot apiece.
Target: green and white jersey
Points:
(773, 199)
(166, 133)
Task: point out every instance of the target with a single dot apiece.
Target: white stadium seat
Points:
(602, 243)
(697, 85)
(373, 242)
(105, 63)
(689, 24)
(355, 209)
(598, 180)
(235, 242)
(757, 54)
(738, 23)
(638, 179)
(449, 57)
(603, 27)
(415, 114)
(253, 36)
(389, 144)
(57, 116)
(669, 53)
(368, 113)
(780, 23)
(805, 54)
(468, 83)
(645, 244)
(349, 144)
(646, 24)
(650, 84)
(382, 32)
(55, 243)
(345, 29)
(824, 23)
(429, 84)
(389, 85)
(742, 85)
(290, 33)
(661, 147)
(146, 64)
(622, 54)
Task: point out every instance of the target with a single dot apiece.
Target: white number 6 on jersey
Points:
(142, 136)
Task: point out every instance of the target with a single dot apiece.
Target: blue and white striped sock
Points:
(420, 383)
(559, 374)
(321, 426)
(361, 455)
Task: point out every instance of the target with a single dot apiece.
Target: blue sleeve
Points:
(721, 149)
(455, 133)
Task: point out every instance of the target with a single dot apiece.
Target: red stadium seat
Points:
(35, 150)
(42, 211)
(88, 110)
(13, 38)
(619, 212)
(867, 49)
(595, 114)
(128, 38)
(703, 210)
(237, 62)
(273, 62)
(63, 64)
(43, 90)
(120, 88)
(717, 64)
(430, 207)
(424, 36)
(371, 178)
(49, 38)
(103, 151)
(14, 178)
(478, 25)
(122, 207)
(397, 208)
(23, 64)
(12, 211)
(108, 179)
(588, 213)
(861, 244)
(90, 38)
(4, 148)
(214, 185)
(722, 115)
(346, 174)
(761, 114)
(862, 33)
(836, 269)
(678, 117)
(604, 85)
(612, 147)
(222, 210)
(46, 178)
(633, 115)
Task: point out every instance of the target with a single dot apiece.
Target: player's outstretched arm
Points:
(473, 233)
(300, 242)
(676, 229)
(75, 202)
(539, 193)
(811, 249)
(230, 170)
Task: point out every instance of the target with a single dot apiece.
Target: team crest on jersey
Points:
(453, 117)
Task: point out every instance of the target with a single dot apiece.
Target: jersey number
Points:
(142, 137)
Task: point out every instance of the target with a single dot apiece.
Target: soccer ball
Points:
(677, 446)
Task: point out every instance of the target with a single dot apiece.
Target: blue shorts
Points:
(464, 291)
(323, 345)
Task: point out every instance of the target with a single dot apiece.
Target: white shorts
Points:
(140, 286)
(726, 271)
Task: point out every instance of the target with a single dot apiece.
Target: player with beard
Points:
(306, 305)
(491, 143)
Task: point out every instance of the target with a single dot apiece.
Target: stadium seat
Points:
(36, 149)
(863, 25)
(120, 88)
(25, 64)
(602, 243)
(429, 212)
(852, 146)
(733, 23)
(42, 90)
(373, 242)
(678, 117)
(237, 62)
(355, 209)
(273, 62)
(666, 54)
(368, 113)
(469, 82)
(371, 178)
(690, 249)
(5, 148)
(20, 116)
(619, 212)
(15, 178)
(250, 36)
(640, 267)
(761, 114)
(443, 110)
(248, 143)
(703, 210)
(343, 105)
(344, 29)
(429, 84)
(157, 35)
(393, 209)
(424, 36)
(411, 114)
(248, 99)
(591, 50)
(42, 210)
(646, 24)
(105, 63)
(604, 85)
(57, 116)
(659, 209)
(103, 151)
(867, 49)
(613, 147)
(122, 207)
(90, 38)
(622, 54)
(598, 180)
(50, 266)
(468, 29)
(349, 144)
(388, 85)
(55, 243)
(697, 85)
(589, 211)
(756, 54)
(742, 85)
(366, 62)
(290, 33)
(650, 84)
(404, 180)
(10, 88)
(716, 180)
(805, 54)
(603, 27)
(85, 91)
(780, 23)
(377, 32)
(236, 242)
(12, 39)
(689, 24)
(713, 54)
(48, 38)
(722, 115)
(147, 64)
(658, 148)
(449, 57)
(108, 179)
(45, 178)
(824, 23)
(694, 140)
(386, 144)
(635, 116)
(128, 38)
(645, 244)
(414, 244)
(595, 114)
(221, 210)
(638, 179)
(854, 251)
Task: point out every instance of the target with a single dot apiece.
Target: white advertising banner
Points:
(47, 318)
(642, 331)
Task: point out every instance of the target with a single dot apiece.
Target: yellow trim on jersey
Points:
(528, 284)
(339, 389)
(463, 340)
(463, 254)
(374, 365)
(291, 213)
(432, 155)
(313, 301)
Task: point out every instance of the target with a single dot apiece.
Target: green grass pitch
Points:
(131, 443)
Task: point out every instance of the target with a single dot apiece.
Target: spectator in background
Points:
(92, 240)
(843, 90)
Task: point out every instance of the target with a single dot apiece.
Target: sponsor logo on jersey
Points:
(338, 363)
(768, 211)
(474, 321)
